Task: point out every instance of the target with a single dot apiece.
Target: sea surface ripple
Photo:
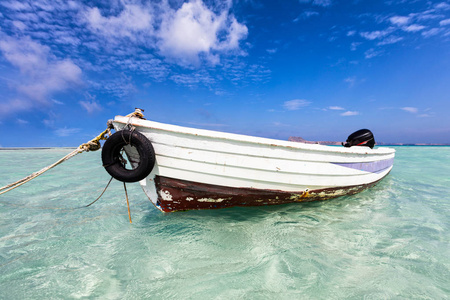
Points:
(389, 242)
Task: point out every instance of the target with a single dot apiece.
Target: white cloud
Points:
(240, 72)
(19, 25)
(57, 102)
(306, 15)
(22, 122)
(351, 81)
(444, 22)
(350, 113)
(310, 13)
(91, 106)
(412, 110)
(144, 37)
(43, 73)
(431, 32)
(58, 76)
(146, 64)
(66, 131)
(24, 53)
(399, 20)
(132, 22)
(354, 46)
(409, 23)
(324, 3)
(48, 123)
(120, 87)
(443, 6)
(413, 28)
(195, 30)
(186, 35)
(16, 5)
(280, 124)
(192, 80)
(295, 104)
(372, 53)
(15, 105)
(390, 40)
(336, 108)
(372, 35)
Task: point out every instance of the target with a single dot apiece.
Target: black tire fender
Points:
(111, 156)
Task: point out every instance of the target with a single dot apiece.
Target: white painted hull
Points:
(218, 159)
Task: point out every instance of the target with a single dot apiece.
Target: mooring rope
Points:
(104, 190)
(61, 208)
(92, 145)
(128, 203)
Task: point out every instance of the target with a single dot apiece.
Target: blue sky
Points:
(319, 69)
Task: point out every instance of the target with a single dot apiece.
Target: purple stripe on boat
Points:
(373, 167)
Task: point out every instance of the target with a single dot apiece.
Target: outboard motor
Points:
(362, 137)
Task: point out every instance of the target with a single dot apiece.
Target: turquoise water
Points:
(390, 242)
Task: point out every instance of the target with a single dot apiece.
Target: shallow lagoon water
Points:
(391, 241)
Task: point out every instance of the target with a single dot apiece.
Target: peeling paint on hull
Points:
(176, 195)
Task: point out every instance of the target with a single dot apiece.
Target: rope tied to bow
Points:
(92, 145)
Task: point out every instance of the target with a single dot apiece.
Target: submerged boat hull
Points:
(202, 169)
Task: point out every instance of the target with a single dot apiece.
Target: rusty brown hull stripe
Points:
(176, 194)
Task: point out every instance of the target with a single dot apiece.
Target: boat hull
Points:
(202, 169)
(176, 194)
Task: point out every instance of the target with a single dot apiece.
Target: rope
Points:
(128, 203)
(60, 208)
(92, 145)
(104, 190)
(137, 113)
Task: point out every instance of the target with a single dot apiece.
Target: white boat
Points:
(204, 169)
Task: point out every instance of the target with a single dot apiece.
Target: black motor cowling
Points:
(362, 137)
